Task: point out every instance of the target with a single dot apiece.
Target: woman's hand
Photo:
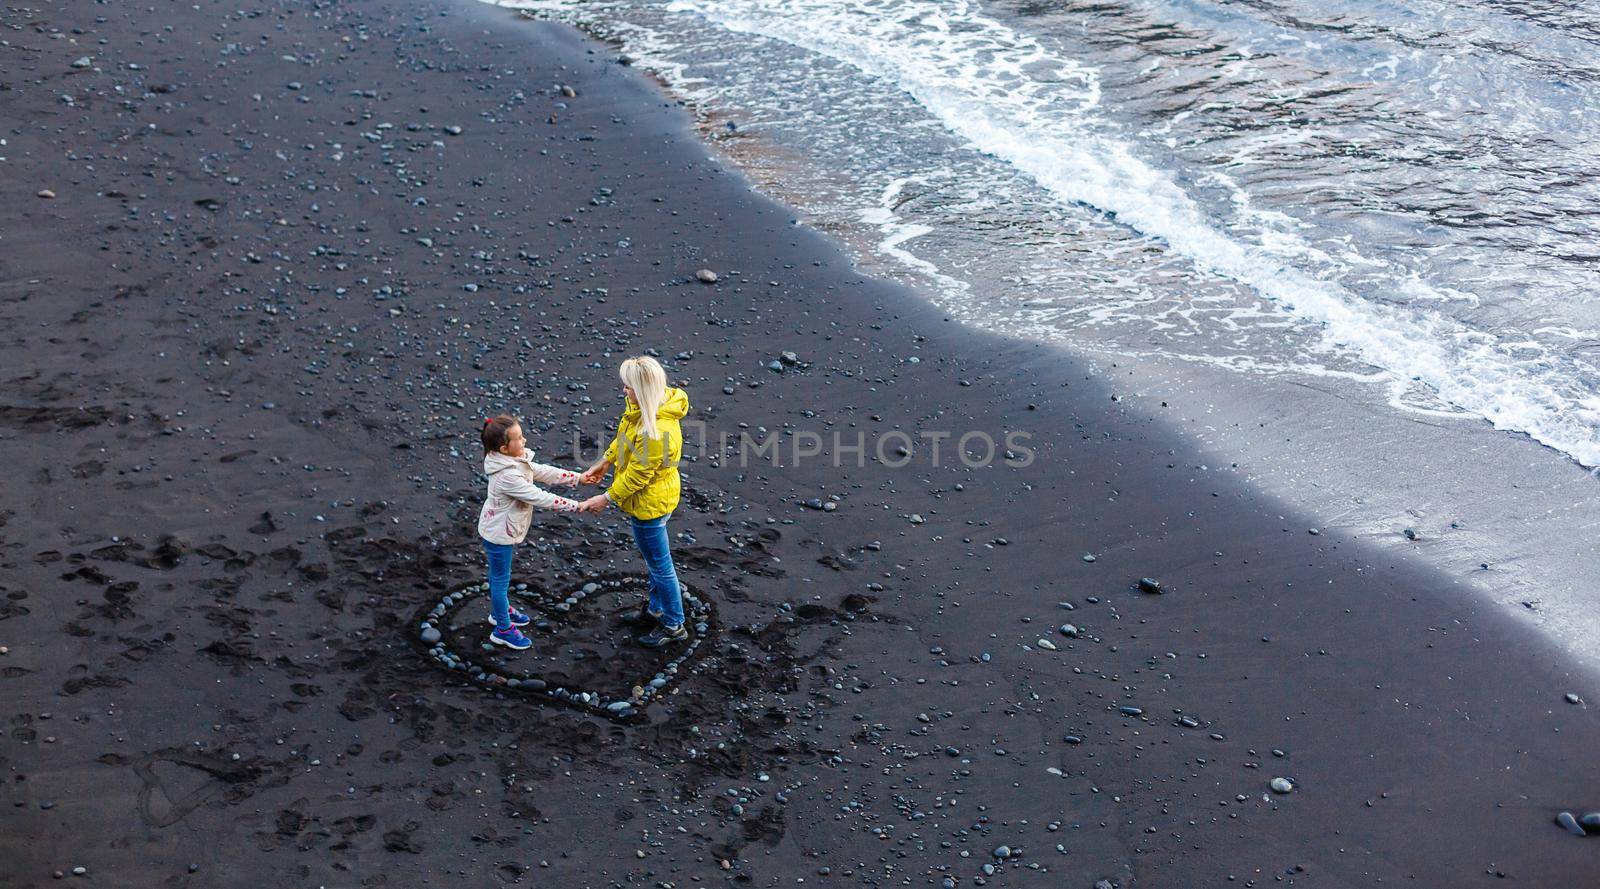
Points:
(593, 474)
(595, 504)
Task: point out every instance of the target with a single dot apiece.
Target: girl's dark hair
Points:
(495, 432)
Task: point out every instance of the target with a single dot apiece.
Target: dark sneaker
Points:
(518, 619)
(512, 638)
(662, 635)
(644, 618)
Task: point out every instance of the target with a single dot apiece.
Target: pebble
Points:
(1069, 630)
(1088, 557)
(1573, 699)
(83, 62)
(1131, 711)
(1002, 852)
(431, 634)
(706, 276)
(1150, 585)
(1590, 822)
(1282, 785)
(1566, 820)
(916, 519)
(1047, 645)
(46, 193)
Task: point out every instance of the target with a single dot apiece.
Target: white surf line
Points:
(974, 79)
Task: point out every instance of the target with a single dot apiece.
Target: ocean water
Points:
(1402, 197)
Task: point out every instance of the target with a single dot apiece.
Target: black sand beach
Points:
(264, 268)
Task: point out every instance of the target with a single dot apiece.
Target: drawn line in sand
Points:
(456, 637)
(169, 811)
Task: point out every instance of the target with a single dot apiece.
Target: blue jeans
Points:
(666, 598)
(499, 581)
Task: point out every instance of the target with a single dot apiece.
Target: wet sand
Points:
(295, 253)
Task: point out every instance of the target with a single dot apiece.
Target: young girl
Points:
(645, 452)
(507, 512)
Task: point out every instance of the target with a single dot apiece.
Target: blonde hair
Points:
(649, 384)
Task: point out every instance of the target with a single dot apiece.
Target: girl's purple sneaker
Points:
(518, 619)
(512, 638)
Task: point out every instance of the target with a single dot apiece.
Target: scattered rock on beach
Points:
(706, 276)
(1282, 785)
(1572, 698)
(1570, 823)
(1150, 585)
(46, 193)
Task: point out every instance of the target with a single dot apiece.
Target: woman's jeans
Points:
(499, 581)
(666, 598)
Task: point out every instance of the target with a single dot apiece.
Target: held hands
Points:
(595, 504)
(593, 474)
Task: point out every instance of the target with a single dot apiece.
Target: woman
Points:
(645, 453)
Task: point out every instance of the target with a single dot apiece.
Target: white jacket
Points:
(508, 509)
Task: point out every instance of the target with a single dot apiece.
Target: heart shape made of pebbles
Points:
(583, 655)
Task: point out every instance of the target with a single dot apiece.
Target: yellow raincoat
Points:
(645, 483)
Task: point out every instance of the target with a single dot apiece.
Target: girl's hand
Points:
(595, 504)
(593, 474)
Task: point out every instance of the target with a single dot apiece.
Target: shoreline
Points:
(257, 604)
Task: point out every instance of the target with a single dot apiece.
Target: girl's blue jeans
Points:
(666, 597)
(499, 582)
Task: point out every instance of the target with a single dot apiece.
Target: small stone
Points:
(453, 130)
(79, 871)
(1281, 785)
(1150, 585)
(1047, 645)
(431, 634)
(1573, 699)
(1570, 823)
(916, 519)
(1088, 557)
(1002, 852)
(706, 276)
(1590, 821)
(1410, 533)
(1069, 630)
(1130, 711)
(46, 193)
(1104, 884)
